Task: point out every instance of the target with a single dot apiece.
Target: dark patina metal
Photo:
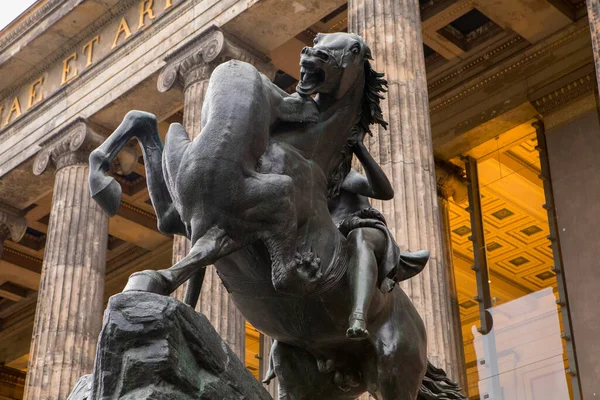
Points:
(256, 192)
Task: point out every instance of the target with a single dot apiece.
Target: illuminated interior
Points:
(520, 261)
(252, 350)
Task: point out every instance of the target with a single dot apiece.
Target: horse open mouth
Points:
(310, 80)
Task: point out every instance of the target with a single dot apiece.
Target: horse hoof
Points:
(355, 333)
(147, 281)
(109, 197)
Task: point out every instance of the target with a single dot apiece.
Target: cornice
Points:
(566, 94)
(28, 23)
(516, 63)
(12, 377)
(464, 68)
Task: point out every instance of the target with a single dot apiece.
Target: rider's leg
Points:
(365, 247)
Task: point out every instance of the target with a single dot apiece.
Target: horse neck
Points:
(338, 116)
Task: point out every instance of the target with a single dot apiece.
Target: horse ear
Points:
(368, 55)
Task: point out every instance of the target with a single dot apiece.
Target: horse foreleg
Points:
(107, 192)
(192, 293)
(208, 249)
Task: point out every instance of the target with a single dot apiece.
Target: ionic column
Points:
(68, 316)
(11, 227)
(405, 152)
(451, 184)
(189, 68)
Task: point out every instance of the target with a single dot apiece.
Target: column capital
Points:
(12, 226)
(75, 143)
(196, 60)
(450, 181)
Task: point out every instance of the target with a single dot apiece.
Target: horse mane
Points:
(370, 113)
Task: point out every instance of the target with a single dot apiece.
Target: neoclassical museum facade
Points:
(492, 147)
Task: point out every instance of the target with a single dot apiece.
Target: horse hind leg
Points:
(107, 192)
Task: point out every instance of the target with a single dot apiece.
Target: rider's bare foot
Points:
(357, 329)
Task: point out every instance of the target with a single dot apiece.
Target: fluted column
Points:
(393, 31)
(594, 18)
(451, 184)
(189, 68)
(68, 316)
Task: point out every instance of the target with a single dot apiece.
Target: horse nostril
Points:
(304, 50)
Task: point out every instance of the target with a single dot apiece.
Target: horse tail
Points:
(107, 192)
(437, 386)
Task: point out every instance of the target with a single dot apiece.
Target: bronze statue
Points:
(254, 194)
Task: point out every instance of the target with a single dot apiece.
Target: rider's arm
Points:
(376, 184)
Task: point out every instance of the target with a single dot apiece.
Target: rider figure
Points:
(375, 259)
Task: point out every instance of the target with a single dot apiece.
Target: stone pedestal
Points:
(190, 69)
(405, 152)
(155, 347)
(69, 310)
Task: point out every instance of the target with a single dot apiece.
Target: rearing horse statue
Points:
(251, 193)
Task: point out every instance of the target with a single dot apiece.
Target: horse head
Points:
(333, 65)
(338, 70)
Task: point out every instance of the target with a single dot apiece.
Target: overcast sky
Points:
(11, 10)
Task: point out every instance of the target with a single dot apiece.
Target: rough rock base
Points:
(155, 347)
